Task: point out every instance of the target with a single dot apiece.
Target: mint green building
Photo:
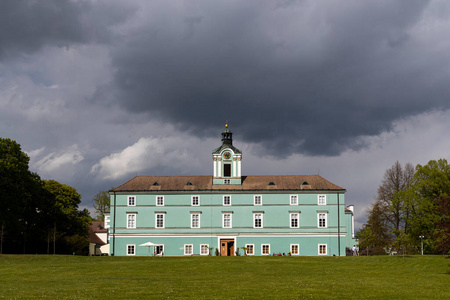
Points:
(227, 213)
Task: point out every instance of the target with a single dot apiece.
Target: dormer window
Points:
(271, 183)
(189, 183)
(226, 170)
(156, 183)
(226, 181)
(305, 183)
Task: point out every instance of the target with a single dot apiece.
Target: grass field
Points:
(73, 277)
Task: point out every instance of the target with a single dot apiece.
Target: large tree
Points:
(101, 204)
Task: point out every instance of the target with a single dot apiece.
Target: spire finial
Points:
(226, 124)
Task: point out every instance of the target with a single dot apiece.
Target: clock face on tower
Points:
(227, 155)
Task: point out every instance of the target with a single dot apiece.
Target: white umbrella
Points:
(149, 244)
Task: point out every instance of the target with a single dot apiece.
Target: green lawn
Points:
(397, 277)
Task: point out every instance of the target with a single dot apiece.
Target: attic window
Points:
(271, 183)
(305, 183)
(189, 183)
(156, 183)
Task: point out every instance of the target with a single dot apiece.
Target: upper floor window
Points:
(322, 199)
(226, 181)
(257, 200)
(226, 200)
(226, 220)
(294, 220)
(159, 200)
(195, 200)
(160, 220)
(131, 220)
(226, 170)
(258, 220)
(322, 220)
(195, 220)
(131, 201)
(294, 200)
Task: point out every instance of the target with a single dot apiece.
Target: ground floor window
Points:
(159, 250)
(131, 249)
(322, 249)
(250, 249)
(188, 249)
(204, 249)
(294, 249)
(265, 249)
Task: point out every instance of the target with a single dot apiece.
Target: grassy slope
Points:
(426, 277)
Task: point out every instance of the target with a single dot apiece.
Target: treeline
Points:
(412, 209)
(37, 216)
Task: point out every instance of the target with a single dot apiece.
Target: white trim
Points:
(134, 217)
(298, 249)
(260, 200)
(223, 200)
(134, 201)
(192, 215)
(223, 220)
(290, 200)
(325, 217)
(262, 220)
(253, 249)
(163, 220)
(208, 235)
(321, 199)
(192, 200)
(160, 245)
(326, 249)
(290, 220)
(207, 246)
(162, 197)
(262, 246)
(191, 246)
(133, 247)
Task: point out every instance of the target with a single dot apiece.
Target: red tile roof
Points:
(249, 183)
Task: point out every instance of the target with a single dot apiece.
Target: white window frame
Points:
(229, 200)
(129, 247)
(192, 220)
(254, 220)
(162, 251)
(195, 200)
(255, 202)
(231, 220)
(188, 249)
(291, 218)
(252, 247)
(131, 198)
(131, 218)
(226, 181)
(202, 248)
(262, 249)
(325, 218)
(321, 199)
(292, 248)
(291, 197)
(158, 198)
(163, 220)
(319, 249)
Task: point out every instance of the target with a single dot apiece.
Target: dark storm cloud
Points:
(28, 25)
(299, 77)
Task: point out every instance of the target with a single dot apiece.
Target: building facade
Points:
(228, 214)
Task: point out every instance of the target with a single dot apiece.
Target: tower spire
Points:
(227, 136)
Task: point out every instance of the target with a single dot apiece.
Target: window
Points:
(322, 220)
(226, 170)
(322, 199)
(226, 220)
(257, 200)
(294, 220)
(188, 249)
(294, 200)
(195, 200)
(257, 220)
(322, 249)
(130, 249)
(131, 201)
(226, 200)
(250, 249)
(159, 200)
(131, 220)
(265, 249)
(159, 221)
(294, 249)
(195, 220)
(226, 181)
(204, 249)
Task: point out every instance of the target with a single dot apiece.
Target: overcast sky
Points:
(97, 92)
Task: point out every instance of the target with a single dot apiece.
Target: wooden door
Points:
(226, 247)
